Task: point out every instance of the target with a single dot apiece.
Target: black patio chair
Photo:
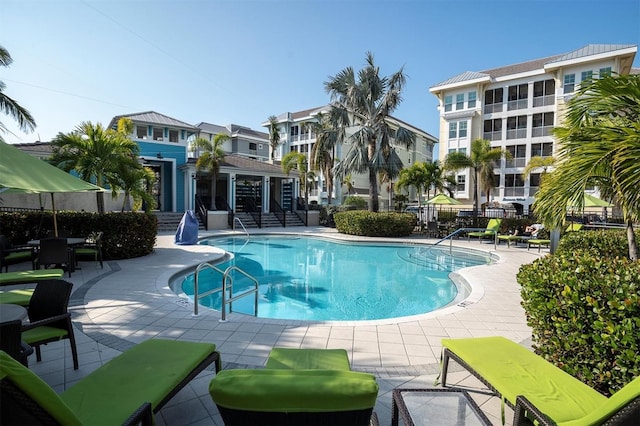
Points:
(11, 342)
(13, 255)
(56, 252)
(91, 248)
(49, 319)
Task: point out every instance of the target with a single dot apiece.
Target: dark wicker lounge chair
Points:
(297, 387)
(126, 390)
(537, 389)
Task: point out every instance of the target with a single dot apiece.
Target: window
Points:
(462, 151)
(513, 185)
(460, 101)
(495, 191)
(157, 134)
(542, 124)
(543, 93)
(295, 130)
(569, 83)
(141, 132)
(542, 149)
(173, 136)
(518, 97)
(605, 72)
(451, 150)
(453, 130)
(517, 127)
(448, 101)
(493, 101)
(471, 103)
(518, 155)
(534, 183)
(462, 133)
(586, 75)
(253, 146)
(493, 129)
(460, 183)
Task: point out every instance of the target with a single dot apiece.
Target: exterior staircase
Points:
(169, 221)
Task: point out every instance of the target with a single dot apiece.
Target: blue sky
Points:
(241, 61)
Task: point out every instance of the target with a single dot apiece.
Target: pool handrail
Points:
(461, 230)
(226, 277)
(237, 219)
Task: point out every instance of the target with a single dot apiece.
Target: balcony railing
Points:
(517, 104)
(515, 162)
(537, 132)
(492, 136)
(491, 108)
(516, 134)
(539, 101)
(514, 192)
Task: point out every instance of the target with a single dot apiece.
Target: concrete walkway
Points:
(130, 301)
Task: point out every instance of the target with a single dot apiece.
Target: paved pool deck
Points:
(130, 300)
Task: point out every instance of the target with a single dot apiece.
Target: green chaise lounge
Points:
(539, 242)
(491, 231)
(127, 389)
(536, 388)
(297, 387)
(23, 296)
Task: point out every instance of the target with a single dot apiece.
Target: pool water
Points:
(305, 278)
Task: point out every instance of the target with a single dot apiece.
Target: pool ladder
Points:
(227, 289)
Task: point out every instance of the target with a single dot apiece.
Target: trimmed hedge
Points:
(369, 224)
(584, 310)
(611, 242)
(126, 235)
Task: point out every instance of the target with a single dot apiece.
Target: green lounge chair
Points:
(537, 388)
(297, 386)
(539, 242)
(125, 390)
(492, 229)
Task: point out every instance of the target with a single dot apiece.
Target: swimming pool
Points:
(310, 278)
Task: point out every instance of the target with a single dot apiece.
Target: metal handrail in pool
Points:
(237, 219)
(226, 278)
(460, 230)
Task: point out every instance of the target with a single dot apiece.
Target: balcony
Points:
(491, 108)
(514, 192)
(492, 136)
(537, 132)
(516, 133)
(517, 104)
(540, 101)
(515, 162)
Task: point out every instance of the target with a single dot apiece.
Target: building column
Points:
(231, 190)
(266, 194)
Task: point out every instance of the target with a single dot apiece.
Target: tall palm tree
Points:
(298, 161)
(364, 105)
(10, 106)
(95, 153)
(598, 145)
(481, 160)
(274, 135)
(210, 158)
(323, 151)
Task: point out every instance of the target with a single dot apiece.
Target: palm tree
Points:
(481, 160)
(364, 106)
(599, 145)
(135, 181)
(10, 106)
(298, 161)
(95, 153)
(438, 179)
(348, 182)
(274, 135)
(210, 159)
(538, 162)
(322, 151)
(416, 176)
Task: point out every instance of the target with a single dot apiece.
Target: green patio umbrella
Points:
(23, 173)
(443, 199)
(593, 201)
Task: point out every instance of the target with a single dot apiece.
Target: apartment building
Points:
(516, 107)
(297, 135)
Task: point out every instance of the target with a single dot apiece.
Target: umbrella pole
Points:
(55, 220)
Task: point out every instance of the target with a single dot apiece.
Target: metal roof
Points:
(152, 117)
(591, 50)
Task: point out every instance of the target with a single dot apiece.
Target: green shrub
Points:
(354, 200)
(126, 235)
(609, 243)
(369, 224)
(584, 311)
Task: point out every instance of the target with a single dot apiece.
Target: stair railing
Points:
(254, 211)
(278, 211)
(201, 211)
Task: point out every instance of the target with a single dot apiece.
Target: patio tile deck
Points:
(129, 301)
